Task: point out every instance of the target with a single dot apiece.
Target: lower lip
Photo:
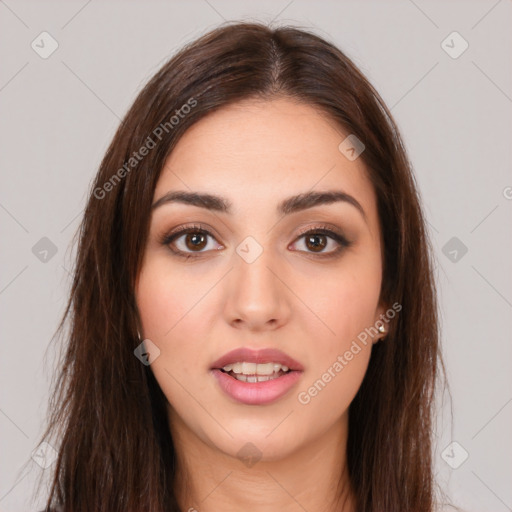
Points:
(256, 393)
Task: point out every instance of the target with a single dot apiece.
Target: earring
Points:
(382, 328)
(138, 335)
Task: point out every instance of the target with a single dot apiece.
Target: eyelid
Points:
(168, 238)
(191, 227)
(321, 227)
(330, 231)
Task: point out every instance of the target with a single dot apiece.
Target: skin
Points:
(256, 153)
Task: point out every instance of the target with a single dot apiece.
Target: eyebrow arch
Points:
(287, 206)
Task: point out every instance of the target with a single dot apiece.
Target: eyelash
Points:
(168, 239)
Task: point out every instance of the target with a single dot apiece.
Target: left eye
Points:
(318, 240)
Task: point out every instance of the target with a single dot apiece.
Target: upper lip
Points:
(266, 355)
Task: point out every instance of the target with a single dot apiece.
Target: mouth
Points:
(256, 377)
(255, 372)
(261, 358)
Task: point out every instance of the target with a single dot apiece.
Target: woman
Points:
(253, 317)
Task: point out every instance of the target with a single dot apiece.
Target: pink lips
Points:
(257, 393)
(267, 355)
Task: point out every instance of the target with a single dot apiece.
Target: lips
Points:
(267, 355)
(259, 393)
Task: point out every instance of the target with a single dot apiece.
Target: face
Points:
(245, 275)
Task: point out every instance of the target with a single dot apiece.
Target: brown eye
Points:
(316, 242)
(195, 240)
(190, 241)
(322, 242)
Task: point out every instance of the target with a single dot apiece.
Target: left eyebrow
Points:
(287, 206)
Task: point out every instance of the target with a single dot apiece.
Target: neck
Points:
(313, 477)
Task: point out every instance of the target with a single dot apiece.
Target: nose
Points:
(257, 295)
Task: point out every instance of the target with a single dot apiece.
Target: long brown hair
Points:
(108, 416)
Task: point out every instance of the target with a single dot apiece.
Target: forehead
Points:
(257, 152)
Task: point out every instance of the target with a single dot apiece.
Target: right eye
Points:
(188, 240)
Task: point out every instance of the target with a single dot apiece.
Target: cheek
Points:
(339, 358)
(346, 305)
(165, 300)
(174, 314)
(331, 389)
(164, 297)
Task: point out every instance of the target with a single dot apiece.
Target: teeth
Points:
(254, 378)
(253, 369)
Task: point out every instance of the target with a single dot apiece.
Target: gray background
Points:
(59, 114)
